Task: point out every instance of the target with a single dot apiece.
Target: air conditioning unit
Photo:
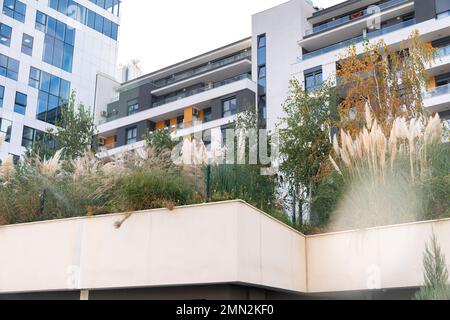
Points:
(195, 112)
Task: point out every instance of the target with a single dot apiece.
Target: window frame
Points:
(133, 139)
(229, 112)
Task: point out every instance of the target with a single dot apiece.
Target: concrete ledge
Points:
(226, 242)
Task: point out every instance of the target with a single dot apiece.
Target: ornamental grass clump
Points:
(38, 189)
(394, 177)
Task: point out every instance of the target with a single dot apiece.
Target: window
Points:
(30, 136)
(262, 70)
(262, 78)
(133, 107)
(2, 94)
(442, 80)
(180, 122)
(58, 42)
(54, 92)
(131, 135)
(20, 105)
(15, 9)
(88, 17)
(113, 6)
(5, 34)
(9, 67)
(207, 115)
(262, 50)
(27, 44)
(313, 80)
(5, 129)
(229, 107)
(262, 111)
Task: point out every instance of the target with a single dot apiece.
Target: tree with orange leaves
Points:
(389, 79)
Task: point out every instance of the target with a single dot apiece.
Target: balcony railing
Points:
(443, 51)
(201, 69)
(348, 18)
(200, 90)
(438, 91)
(347, 43)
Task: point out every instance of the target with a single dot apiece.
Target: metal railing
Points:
(200, 90)
(350, 17)
(438, 91)
(203, 68)
(359, 39)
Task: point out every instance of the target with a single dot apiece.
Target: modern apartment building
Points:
(47, 49)
(201, 95)
(294, 40)
(335, 28)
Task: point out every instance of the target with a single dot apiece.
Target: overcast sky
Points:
(163, 32)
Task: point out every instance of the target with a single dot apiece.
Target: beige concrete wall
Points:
(379, 258)
(228, 242)
(215, 243)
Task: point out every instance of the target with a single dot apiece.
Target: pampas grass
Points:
(394, 177)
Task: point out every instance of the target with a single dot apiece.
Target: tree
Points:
(435, 274)
(389, 79)
(160, 140)
(75, 133)
(305, 138)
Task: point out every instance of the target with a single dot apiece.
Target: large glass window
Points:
(88, 17)
(113, 6)
(5, 34)
(15, 9)
(133, 107)
(262, 50)
(20, 104)
(2, 94)
(229, 107)
(262, 77)
(58, 42)
(31, 135)
(313, 80)
(27, 44)
(9, 67)
(5, 129)
(131, 135)
(54, 92)
(262, 70)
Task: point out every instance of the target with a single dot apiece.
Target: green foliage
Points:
(150, 190)
(76, 130)
(75, 133)
(244, 182)
(305, 139)
(436, 285)
(328, 191)
(160, 140)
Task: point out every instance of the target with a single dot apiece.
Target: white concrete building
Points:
(47, 49)
(335, 28)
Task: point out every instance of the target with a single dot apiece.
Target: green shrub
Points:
(143, 190)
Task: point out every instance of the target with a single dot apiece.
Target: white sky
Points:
(163, 32)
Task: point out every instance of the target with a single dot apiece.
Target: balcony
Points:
(443, 51)
(200, 90)
(220, 89)
(438, 99)
(356, 40)
(438, 91)
(343, 20)
(202, 69)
